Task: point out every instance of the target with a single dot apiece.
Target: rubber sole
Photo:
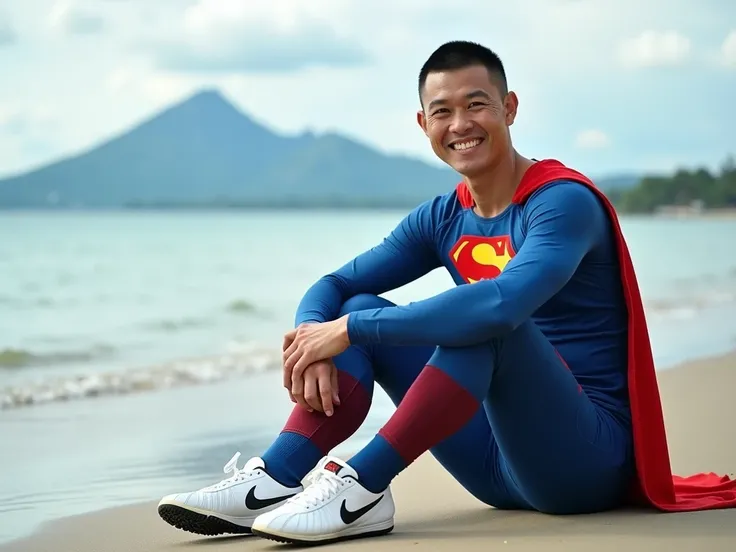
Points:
(288, 540)
(200, 524)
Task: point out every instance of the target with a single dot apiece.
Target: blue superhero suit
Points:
(525, 359)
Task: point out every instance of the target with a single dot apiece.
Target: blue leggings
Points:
(538, 442)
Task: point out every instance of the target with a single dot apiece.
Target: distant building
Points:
(695, 207)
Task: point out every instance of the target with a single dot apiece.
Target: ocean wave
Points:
(688, 307)
(41, 302)
(186, 372)
(171, 325)
(20, 358)
(176, 325)
(241, 306)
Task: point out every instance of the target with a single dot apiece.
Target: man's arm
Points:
(404, 256)
(565, 221)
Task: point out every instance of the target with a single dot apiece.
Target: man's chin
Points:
(469, 168)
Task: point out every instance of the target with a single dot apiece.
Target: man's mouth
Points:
(464, 145)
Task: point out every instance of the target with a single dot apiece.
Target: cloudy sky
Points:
(605, 85)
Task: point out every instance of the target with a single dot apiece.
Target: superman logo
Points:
(479, 258)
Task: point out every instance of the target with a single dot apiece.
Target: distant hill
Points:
(205, 152)
(618, 182)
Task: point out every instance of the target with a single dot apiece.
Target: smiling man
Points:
(531, 381)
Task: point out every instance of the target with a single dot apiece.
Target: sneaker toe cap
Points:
(270, 520)
(177, 498)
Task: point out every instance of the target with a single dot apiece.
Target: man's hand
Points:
(317, 388)
(314, 387)
(309, 343)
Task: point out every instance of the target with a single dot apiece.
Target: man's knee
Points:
(363, 301)
(471, 367)
(469, 358)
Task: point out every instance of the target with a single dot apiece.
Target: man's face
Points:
(466, 119)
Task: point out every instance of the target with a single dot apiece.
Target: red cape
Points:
(655, 485)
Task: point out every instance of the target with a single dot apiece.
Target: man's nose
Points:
(461, 123)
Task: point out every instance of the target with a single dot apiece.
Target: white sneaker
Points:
(230, 506)
(334, 507)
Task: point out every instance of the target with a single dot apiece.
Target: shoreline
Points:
(694, 395)
(254, 359)
(684, 212)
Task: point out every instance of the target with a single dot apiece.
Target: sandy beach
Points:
(699, 414)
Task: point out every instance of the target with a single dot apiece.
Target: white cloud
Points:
(592, 139)
(27, 135)
(20, 119)
(210, 17)
(281, 35)
(74, 18)
(655, 49)
(8, 35)
(155, 87)
(728, 50)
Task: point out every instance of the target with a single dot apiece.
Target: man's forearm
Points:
(458, 317)
(322, 301)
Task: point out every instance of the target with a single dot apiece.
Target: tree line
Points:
(698, 187)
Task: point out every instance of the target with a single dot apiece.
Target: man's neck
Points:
(494, 190)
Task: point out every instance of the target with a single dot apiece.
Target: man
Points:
(530, 385)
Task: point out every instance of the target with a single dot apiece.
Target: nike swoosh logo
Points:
(349, 517)
(252, 502)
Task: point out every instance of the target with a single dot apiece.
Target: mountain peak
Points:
(208, 102)
(206, 117)
(209, 97)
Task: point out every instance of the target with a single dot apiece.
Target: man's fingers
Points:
(286, 350)
(288, 353)
(293, 383)
(300, 401)
(288, 340)
(297, 391)
(288, 382)
(325, 388)
(289, 377)
(286, 373)
(334, 383)
(298, 365)
(300, 360)
(309, 386)
(311, 392)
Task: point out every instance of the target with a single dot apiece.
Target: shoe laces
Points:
(237, 474)
(323, 485)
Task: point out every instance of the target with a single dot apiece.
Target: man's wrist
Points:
(345, 329)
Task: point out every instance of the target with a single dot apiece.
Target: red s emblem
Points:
(479, 258)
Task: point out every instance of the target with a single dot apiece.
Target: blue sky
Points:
(606, 86)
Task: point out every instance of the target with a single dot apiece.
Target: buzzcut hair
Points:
(461, 54)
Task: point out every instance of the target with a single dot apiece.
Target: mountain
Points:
(204, 151)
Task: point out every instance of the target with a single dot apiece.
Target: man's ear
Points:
(511, 104)
(422, 121)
